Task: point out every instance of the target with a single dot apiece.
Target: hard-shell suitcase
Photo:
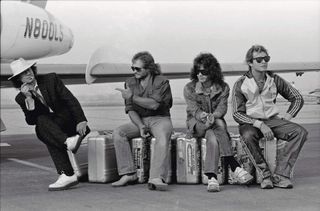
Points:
(188, 160)
(102, 159)
(221, 167)
(241, 155)
(141, 158)
(79, 161)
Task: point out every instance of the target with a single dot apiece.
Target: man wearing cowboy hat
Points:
(59, 119)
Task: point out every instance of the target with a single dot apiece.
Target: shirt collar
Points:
(214, 89)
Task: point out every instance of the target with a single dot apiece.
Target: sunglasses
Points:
(138, 69)
(265, 58)
(204, 71)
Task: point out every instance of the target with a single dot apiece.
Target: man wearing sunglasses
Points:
(254, 108)
(206, 96)
(148, 100)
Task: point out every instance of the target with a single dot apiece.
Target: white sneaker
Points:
(73, 143)
(213, 185)
(64, 182)
(241, 176)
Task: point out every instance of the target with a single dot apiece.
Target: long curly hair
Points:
(208, 61)
(148, 62)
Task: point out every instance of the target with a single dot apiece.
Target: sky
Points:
(177, 31)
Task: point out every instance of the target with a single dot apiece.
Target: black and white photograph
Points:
(150, 105)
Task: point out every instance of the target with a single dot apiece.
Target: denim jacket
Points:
(214, 101)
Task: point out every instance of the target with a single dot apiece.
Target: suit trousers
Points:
(161, 128)
(53, 132)
(294, 135)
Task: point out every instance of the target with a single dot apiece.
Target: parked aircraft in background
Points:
(31, 32)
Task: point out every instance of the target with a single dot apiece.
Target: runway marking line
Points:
(32, 165)
(4, 145)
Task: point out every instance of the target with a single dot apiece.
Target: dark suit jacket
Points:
(62, 102)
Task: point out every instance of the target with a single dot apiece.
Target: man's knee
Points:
(248, 133)
(220, 123)
(211, 138)
(118, 133)
(302, 132)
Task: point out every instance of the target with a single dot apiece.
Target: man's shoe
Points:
(157, 184)
(281, 181)
(266, 183)
(73, 143)
(242, 176)
(125, 180)
(213, 185)
(64, 182)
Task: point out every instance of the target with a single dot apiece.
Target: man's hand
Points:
(82, 128)
(25, 90)
(126, 93)
(144, 131)
(287, 116)
(203, 117)
(210, 120)
(267, 132)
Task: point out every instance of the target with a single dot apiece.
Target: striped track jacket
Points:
(249, 105)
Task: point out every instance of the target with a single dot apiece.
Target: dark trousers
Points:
(294, 135)
(53, 132)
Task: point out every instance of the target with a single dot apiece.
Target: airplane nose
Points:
(71, 39)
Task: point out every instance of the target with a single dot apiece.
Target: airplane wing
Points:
(105, 72)
(117, 72)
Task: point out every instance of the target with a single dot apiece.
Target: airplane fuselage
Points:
(31, 32)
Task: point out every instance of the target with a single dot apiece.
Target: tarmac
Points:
(27, 170)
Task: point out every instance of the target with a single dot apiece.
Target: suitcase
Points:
(188, 160)
(102, 159)
(79, 161)
(241, 155)
(221, 177)
(141, 158)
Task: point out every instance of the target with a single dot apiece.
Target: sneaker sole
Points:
(64, 187)
(162, 187)
(213, 190)
(245, 182)
(284, 187)
(267, 187)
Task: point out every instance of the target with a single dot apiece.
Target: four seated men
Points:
(61, 124)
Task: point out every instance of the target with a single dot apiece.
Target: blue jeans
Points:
(161, 128)
(218, 143)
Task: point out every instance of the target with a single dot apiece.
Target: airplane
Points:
(30, 32)
(34, 33)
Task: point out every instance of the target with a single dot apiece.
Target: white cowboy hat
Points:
(19, 66)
